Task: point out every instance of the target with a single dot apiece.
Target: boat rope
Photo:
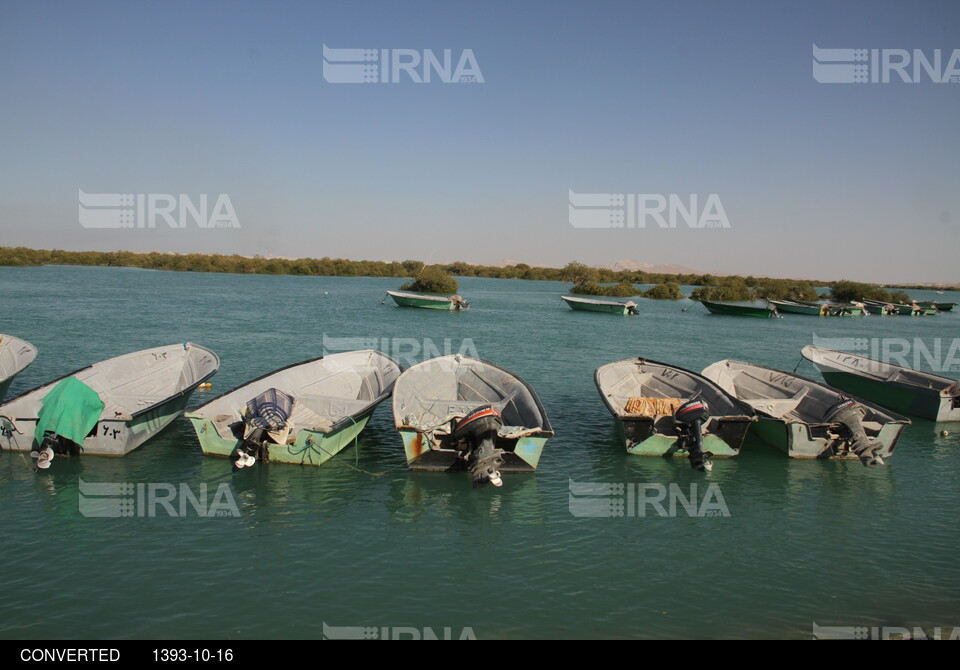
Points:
(310, 444)
(799, 363)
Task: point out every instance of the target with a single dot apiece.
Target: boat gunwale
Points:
(370, 407)
(546, 429)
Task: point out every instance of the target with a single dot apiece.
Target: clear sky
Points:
(829, 181)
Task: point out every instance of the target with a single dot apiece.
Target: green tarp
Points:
(71, 409)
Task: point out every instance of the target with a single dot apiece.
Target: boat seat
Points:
(324, 411)
(778, 407)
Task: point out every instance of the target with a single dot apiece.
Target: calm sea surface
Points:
(364, 542)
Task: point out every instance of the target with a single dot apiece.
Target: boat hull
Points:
(924, 403)
(799, 440)
(738, 310)
(520, 455)
(311, 447)
(109, 437)
(596, 306)
(423, 302)
(723, 439)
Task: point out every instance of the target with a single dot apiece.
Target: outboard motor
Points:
(53, 444)
(846, 420)
(480, 428)
(689, 418)
(459, 303)
(268, 412)
(632, 307)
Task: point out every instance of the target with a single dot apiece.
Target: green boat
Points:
(302, 414)
(15, 356)
(461, 413)
(901, 389)
(814, 308)
(939, 306)
(646, 398)
(605, 306)
(807, 419)
(732, 309)
(887, 308)
(423, 301)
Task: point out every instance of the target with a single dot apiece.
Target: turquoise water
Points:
(364, 542)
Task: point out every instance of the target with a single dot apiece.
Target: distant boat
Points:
(814, 308)
(302, 414)
(15, 356)
(453, 302)
(606, 306)
(898, 388)
(457, 412)
(665, 410)
(880, 307)
(939, 306)
(806, 419)
(733, 309)
(109, 408)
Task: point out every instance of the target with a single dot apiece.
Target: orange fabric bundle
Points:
(653, 406)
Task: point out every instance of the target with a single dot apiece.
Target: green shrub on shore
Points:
(665, 291)
(432, 279)
(621, 290)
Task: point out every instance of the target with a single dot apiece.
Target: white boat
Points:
(302, 414)
(109, 408)
(807, 419)
(457, 412)
(15, 356)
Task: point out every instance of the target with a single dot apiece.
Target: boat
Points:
(606, 306)
(303, 414)
(457, 412)
(814, 308)
(939, 306)
(888, 308)
(901, 389)
(732, 309)
(807, 419)
(109, 408)
(453, 302)
(652, 402)
(15, 356)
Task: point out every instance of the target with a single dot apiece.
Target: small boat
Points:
(453, 302)
(939, 306)
(888, 308)
(15, 356)
(457, 412)
(901, 389)
(814, 308)
(606, 306)
(109, 408)
(807, 419)
(769, 312)
(302, 414)
(653, 403)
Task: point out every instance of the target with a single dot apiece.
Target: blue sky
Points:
(816, 180)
